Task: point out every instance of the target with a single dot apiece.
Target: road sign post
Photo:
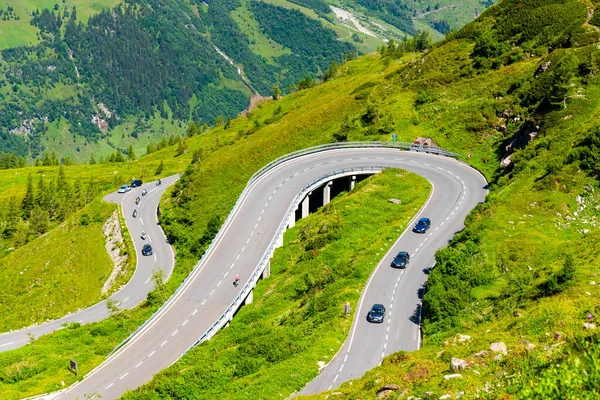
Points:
(347, 309)
(73, 366)
(394, 137)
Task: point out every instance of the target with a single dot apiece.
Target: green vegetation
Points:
(272, 345)
(57, 273)
(521, 270)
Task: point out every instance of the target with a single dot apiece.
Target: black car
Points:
(376, 313)
(422, 225)
(136, 183)
(147, 250)
(401, 260)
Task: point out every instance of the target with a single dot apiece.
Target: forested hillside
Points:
(143, 70)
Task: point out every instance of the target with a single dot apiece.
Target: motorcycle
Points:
(144, 192)
(144, 236)
(134, 213)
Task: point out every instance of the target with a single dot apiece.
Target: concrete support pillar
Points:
(305, 203)
(292, 220)
(327, 193)
(267, 271)
(352, 182)
(279, 241)
(250, 298)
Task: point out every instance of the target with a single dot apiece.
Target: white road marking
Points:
(109, 386)
(141, 220)
(140, 363)
(126, 373)
(195, 311)
(6, 344)
(125, 300)
(174, 333)
(210, 294)
(154, 256)
(147, 280)
(452, 213)
(185, 322)
(219, 282)
(163, 343)
(151, 354)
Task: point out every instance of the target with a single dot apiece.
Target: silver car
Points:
(124, 189)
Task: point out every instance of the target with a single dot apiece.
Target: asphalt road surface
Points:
(138, 287)
(245, 237)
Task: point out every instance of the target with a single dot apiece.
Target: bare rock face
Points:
(456, 364)
(395, 201)
(499, 347)
(589, 325)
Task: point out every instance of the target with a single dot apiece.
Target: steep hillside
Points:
(79, 78)
(517, 93)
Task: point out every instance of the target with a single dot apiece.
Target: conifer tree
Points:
(92, 159)
(29, 199)
(131, 153)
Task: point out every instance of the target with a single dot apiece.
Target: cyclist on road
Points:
(237, 280)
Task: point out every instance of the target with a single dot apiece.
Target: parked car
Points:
(422, 225)
(376, 313)
(136, 182)
(147, 250)
(124, 189)
(401, 260)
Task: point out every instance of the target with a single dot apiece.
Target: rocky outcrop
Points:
(114, 245)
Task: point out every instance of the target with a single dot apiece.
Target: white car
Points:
(124, 189)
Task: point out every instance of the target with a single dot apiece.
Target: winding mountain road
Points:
(248, 234)
(138, 287)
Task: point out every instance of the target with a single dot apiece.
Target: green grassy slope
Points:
(57, 273)
(19, 32)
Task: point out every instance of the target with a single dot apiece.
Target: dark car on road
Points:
(422, 225)
(376, 313)
(401, 260)
(147, 250)
(136, 183)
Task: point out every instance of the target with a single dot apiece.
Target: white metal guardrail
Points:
(237, 302)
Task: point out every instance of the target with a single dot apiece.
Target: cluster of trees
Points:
(313, 46)
(418, 43)
(10, 160)
(46, 203)
(393, 12)
(319, 6)
(517, 27)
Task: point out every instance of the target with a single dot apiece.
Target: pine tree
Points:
(227, 123)
(46, 161)
(192, 129)
(181, 148)
(275, 92)
(39, 221)
(131, 153)
(151, 148)
(29, 199)
(160, 168)
(119, 156)
(92, 159)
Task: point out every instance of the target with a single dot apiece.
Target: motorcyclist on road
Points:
(134, 213)
(137, 200)
(159, 182)
(144, 192)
